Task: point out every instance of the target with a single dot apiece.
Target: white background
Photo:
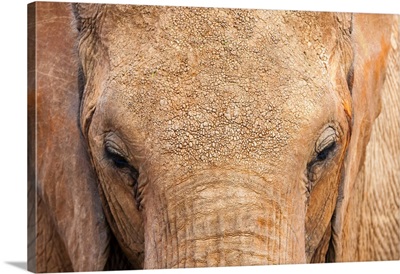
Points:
(13, 126)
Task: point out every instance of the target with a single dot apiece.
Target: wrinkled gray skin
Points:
(221, 129)
(227, 137)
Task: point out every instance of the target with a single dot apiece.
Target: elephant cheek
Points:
(233, 221)
(124, 219)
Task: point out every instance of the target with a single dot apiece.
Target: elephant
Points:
(172, 137)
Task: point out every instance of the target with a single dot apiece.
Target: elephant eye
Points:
(119, 161)
(116, 157)
(324, 153)
(326, 144)
(325, 149)
(114, 154)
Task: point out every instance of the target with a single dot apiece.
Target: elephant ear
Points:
(67, 228)
(371, 42)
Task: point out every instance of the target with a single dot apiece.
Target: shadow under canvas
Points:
(21, 265)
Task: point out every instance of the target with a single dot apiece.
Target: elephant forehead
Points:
(208, 84)
(223, 123)
(185, 42)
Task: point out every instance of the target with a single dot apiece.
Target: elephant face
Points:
(205, 137)
(216, 143)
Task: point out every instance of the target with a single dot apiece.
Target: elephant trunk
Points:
(237, 220)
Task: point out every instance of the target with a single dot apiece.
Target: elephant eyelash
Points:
(116, 157)
(325, 145)
(120, 162)
(325, 149)
(320, 160)
(326, 152)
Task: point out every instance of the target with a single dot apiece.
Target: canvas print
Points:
(180, 137)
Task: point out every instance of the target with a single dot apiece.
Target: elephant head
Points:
(213, 137)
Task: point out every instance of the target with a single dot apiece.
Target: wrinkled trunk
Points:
(223, 220)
